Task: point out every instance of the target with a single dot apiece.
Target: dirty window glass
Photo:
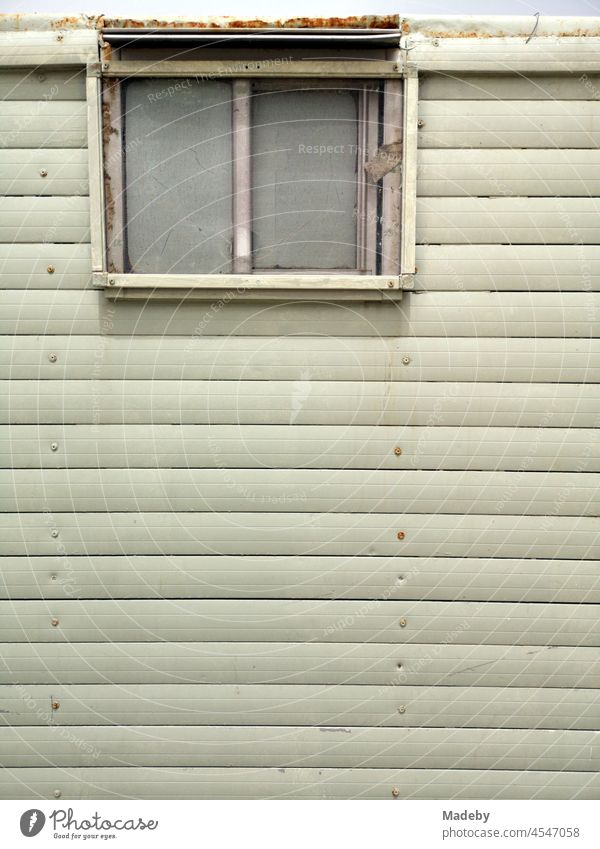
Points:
(222, 176)
(178, 176)
(304, 179)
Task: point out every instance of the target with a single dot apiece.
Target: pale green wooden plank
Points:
(302, 577)
(26, 266)
(345, 747)
(297, 704)
(385, 664)
(520, 173)
(38, 219)
(304, 359)
(302, 490)
(44, 172)
(297, 533)
(500, 267)
(42, 84)
(277, 783)
(302, 446)
(35, 49)
(277, 620)
(42, 123)
(90, 313)
(513, 124)
(443, 314)
(503, 219)
(459, 51)
(298, 402)
(499, 86)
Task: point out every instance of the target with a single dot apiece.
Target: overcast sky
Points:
(291, 8)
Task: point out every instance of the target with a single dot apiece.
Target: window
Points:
(212, 178)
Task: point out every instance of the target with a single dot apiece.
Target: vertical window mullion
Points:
(370, 211)
(241, 179)
(392, 182)
(361, 189)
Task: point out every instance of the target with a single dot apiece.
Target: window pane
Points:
(304, 176)
(178, 175)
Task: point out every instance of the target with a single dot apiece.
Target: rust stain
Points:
(108, 102)
(65, 23)
(376, 22)
(461, 34)
(15, 20)
(111, 90)
(580, 33)
(22, 21)
(105, 51)
(109, 204)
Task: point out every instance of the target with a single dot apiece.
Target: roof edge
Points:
(420, 26)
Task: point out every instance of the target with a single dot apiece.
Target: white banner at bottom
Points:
(265, 824)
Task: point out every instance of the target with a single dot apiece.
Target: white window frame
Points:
(400, 235)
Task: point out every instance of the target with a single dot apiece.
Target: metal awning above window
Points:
(219, 37)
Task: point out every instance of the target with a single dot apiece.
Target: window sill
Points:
(256, 287)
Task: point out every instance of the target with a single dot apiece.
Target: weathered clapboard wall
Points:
(307, 550)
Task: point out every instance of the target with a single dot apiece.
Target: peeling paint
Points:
(387, 158)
